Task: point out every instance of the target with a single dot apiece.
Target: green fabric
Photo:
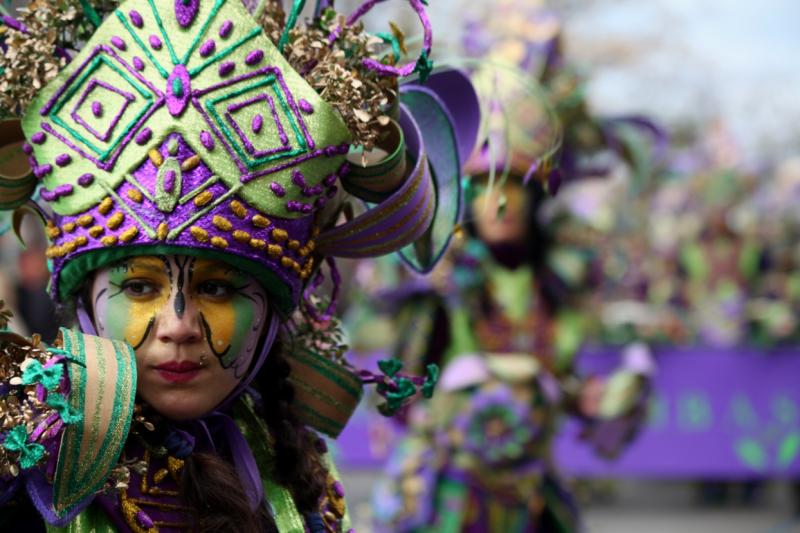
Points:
(93, 519)
(74, 272)
(181, 47)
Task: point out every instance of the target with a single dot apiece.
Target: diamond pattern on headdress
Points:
(201, 69)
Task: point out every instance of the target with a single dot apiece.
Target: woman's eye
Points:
(214, 289)
(138, 288)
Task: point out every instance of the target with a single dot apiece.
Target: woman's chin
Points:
(182, 405)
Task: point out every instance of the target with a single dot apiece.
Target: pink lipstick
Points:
(179, 371)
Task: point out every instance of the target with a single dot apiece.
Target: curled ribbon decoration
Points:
(49, 377)
(17, 441)
(65, 410)
(398, 389)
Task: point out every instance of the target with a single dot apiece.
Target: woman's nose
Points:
(179, 321)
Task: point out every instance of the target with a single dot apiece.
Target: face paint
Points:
(194, 323)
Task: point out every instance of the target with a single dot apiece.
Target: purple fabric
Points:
(458, 97)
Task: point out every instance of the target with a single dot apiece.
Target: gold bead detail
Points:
(161, 231)
(219, 242)
(293, 245)
(156, 157)
(115, 220)
(105, 206)
(129, 234)
(258, 244)
(109, 240)
(135, 195)
(260, 221)
(274, 250)
(221, 223)
(85, 220)
(81, 241)
(238, 209)
(241, 236)
(279, 235)
(199, 234)
(69, 227)
(203, 198)
(191, 163)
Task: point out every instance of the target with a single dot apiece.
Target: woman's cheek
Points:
(228, 324)
(130, 320)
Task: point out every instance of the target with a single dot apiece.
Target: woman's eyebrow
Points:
(155, 266)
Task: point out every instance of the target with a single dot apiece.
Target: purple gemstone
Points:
(330, 179)
(27, 148)
(136, 18)
(38, 137)
(226, 68)
(258, 122)
(86, 180)
(48, 195)
(43, 170)
(254, 57)
(332, 191)
(298, 178)
(186, 11)
(97, 109)
(142, 518)
(138, 64)
(63, 190)
(338, 489)
(207, 139)
(208, 48)
(305, 106)
(226, 29)
(293, 205)
(179, 83)
(344, 170)
(276, 188)
(144, 136)
(155, 42)
(307, 208)
(118, 42)
(320, 203)
(63, 160)
(169, 181)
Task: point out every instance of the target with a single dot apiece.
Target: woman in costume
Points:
(192, 158)
(478, 456)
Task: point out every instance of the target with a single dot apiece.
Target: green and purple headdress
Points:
(191, 127)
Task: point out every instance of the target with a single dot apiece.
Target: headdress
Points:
(221, 129)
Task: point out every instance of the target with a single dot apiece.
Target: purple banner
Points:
(715, 413)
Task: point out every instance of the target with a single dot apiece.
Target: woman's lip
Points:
(178, 371)
(179, 366)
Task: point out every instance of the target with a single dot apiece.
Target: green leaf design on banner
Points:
(790, 446)
(751, 453)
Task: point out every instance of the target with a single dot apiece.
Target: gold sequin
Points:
(222, 223)
(311, 245)
(54, 251)
(52, 231)
(69, 227)
(238, 209)
(81, 241)
(241, 236)
(115, 220)
(85, 220)
(161, 232)
(159, 476)
(129, 234)
(96, 231)
(279, 235)
(109, 240)
(156, 157)
(199, 233)
(135, 196)
(203, 198)
(190, 163)
(260, 221)
(219, 242)
(105, 206)
(287, 261)
(258, 244)
(293, 244)
(274, 250)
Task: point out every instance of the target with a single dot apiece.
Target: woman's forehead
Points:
(167, 263)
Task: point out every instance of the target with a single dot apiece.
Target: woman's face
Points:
(194, 324)
(501, 226)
